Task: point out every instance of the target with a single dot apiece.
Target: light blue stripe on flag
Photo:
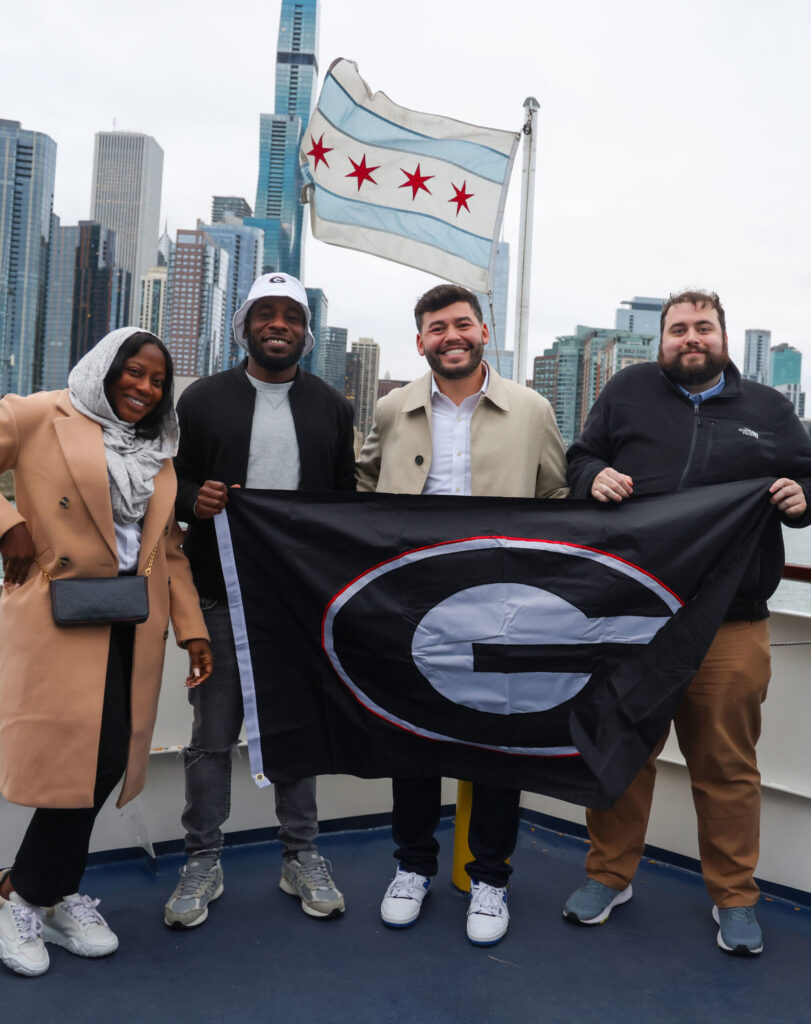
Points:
(346, 116)
(243, 650)
(420, 227)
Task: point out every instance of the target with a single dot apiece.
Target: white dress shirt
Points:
(450, 441)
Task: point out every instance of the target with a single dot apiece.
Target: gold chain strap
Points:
(147, 571)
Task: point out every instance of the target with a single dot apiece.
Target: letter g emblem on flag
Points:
(489, 636)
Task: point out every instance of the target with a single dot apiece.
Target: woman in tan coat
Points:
(95, 493)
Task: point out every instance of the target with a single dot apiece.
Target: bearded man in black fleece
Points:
(686, 422)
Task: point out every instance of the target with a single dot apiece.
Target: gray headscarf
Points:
(132, 462)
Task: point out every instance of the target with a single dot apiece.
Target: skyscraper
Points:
(335, 357)
(153, 300)
(244, 247)
(757, 343)
(195, 304)
(785, 374)
(101, 289)
(27, 173)
(316, 360)
(368, 352)
(127, 179)
(641, 315)
(221, 205)
(278, 210)
(59, 304)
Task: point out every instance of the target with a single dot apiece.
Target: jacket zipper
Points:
(696, 425)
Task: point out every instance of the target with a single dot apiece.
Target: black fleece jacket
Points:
(643, 425)
(216, 417)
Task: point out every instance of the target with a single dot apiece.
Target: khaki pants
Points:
(717, 726)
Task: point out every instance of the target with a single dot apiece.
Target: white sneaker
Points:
(403, 900)
(78, 927)
(487, 915)
(21, 948)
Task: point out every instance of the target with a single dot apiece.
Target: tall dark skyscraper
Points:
(101, 290)
(278, 210)
(27, 173)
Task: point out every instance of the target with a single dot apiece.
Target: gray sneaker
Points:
(738, 930)
(593, 902)
(307, 876)
(200, 883)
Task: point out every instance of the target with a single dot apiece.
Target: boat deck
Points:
(260, 959)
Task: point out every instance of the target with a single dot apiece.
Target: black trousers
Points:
(53, 855)
(492, 835)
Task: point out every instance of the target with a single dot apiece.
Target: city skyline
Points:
(683, 206)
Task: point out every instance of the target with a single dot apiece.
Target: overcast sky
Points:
(674, 146)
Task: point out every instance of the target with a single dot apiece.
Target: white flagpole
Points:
(531, 107)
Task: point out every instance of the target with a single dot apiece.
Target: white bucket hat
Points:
(275, 284)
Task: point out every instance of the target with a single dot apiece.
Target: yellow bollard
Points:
(461, 850)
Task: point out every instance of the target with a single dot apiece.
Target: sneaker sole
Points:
(20, 967)
(734, 950)
(322, 915)
(178, 924)
(72, 945)
(411, 920)
(619, 899)
(486, 942)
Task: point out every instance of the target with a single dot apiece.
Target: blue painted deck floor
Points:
(260, 959)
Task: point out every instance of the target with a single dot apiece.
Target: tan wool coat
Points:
(52, 678)
(515, 446)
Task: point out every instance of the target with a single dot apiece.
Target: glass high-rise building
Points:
(59, 305)
(278, 210)
(641, 315)
(127, 181)
(756, 346)
(101, 289)
(27, 174)
(244, 247)
(223, 205)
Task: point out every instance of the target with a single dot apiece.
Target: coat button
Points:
(64, 502)
(169, 581)
(64, 560)
(166, 531)
(166, 634)
(419, 460)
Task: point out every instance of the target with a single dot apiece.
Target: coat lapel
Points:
(83, 449)
(158, 512)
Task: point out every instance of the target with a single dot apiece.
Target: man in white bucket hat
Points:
(264, 424)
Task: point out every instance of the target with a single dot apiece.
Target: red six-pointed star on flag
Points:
(361, 171)
(319, 151)
(416, 181)
(461, 197)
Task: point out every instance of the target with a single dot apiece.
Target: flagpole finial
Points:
(530, 103)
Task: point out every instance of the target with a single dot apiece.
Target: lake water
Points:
(790, 595)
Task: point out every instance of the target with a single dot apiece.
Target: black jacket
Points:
(643, 425)
(216, 416)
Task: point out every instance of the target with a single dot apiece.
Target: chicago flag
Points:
(415, 188)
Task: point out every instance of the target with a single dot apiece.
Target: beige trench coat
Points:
(515, 446)
(52, 678)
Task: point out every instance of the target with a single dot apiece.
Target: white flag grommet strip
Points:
(419, 189)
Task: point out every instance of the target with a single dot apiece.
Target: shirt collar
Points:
(702, 396)
(482, 390)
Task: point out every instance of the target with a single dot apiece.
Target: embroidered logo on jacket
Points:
(748, 432)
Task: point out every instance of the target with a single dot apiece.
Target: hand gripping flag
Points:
(543, 645)
(415, 188)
